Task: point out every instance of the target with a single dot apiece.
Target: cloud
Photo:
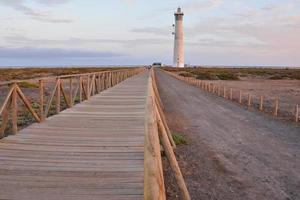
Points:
(25, 41)
(166, 31)
(52, 2)
(19, 5)
(197, 6)
(29, 52)
(129, 2)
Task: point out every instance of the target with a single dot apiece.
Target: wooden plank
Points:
(94, 150)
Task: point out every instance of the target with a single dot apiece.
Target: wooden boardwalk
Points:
(94, 150)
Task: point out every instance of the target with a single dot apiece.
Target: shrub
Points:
(205, 76)
(278, 77)
(186, 74)
(28, 85)
(179, 139)
(227, 76)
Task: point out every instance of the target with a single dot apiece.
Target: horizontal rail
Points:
(61, 76)
(157, 134)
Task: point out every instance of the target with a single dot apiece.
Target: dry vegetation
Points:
(270, 83)
(8, 74)
(237, 73)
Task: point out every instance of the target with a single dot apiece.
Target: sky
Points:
(133, 32)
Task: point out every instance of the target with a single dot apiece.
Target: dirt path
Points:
(231, 153)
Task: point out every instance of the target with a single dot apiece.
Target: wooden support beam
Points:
(154, 188)
(88, 87)
(5, 113)
(41, 94)
(7, 98)
(27, 104)
(76, 93)
(161, 117)
(71, 92)
(14, 109)
(57, 102)
(48, 106)
(67, 100)
(173, 162)
(80, 89)
(99, 83)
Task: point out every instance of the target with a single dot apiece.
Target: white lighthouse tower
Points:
(178, 40)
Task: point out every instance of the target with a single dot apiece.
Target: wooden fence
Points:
(80, 87)
(157, 135)
(238, 96)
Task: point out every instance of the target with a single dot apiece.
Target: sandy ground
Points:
(288, 92)
(232, 153)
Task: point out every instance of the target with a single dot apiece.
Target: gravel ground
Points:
(232, 153)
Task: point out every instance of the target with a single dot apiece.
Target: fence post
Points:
(224, 93)
(249, 100)
(231, 94)
(276, 107)
(14, 110)
(261, 103)
(41, 86)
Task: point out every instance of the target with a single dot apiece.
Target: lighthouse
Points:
(178, 39)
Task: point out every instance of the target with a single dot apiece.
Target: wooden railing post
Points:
(71, 92)
(231, 94)
(99, 83)
(88, 87)
(80, 89)
(110, 79)
(58, 96)
(14, 107)
(41, 87)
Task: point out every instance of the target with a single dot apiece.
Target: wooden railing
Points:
(238, 96)
(157, 135)
(80, 87)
